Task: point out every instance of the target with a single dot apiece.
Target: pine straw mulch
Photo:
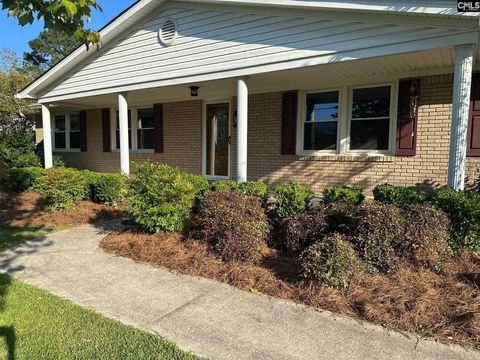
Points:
(444, 307)
(21, 210)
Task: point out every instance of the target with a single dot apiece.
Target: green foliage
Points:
(380, 229)
(62, 15)
(234, 224)
(62, 188)
(290, 199)
(331, 261)
(162, 197)
(254, 188)
(344, 195)
(223, 185)
(398, 195)
(22, 179)
(463, 209)
(426, 235)
(58, 161)
(48, 48)
(17, 149)
(108, 188)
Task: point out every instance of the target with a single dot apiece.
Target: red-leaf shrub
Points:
(234, 224)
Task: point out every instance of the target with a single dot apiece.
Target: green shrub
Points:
(254, 188)
(17, 149)
(380, 230)
(108, 188)
(463, 209)
(331, 261)
(344, 195)
(232, 223)
(426, 235)
(58, 161)
(398, 195)
(22, 179)
(290, 200)
(223, 185)
(62, 188)
(162, 197)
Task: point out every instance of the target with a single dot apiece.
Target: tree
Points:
(49, 48)
(68, 16)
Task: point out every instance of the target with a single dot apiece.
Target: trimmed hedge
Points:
(289, 200)
(331, 261)
(109, 189)
(380, 230)
(162, 197)
(399, 195)
(22, 179)
(426, 235)
(223, 185)
(254, 188)
(62, 188)
(234, 224)
(463, 209)
(344, 195)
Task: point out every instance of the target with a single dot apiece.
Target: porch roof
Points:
(444, 27)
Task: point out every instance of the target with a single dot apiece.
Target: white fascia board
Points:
(81, 53)
(438, 8)
(432, 43)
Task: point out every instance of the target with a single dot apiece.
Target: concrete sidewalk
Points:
(203, 316)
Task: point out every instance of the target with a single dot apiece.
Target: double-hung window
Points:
(66, 132)
(370, 118)
(321, 121)
(141, 129)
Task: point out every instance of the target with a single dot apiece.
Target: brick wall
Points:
(183, 146)
(182, 141)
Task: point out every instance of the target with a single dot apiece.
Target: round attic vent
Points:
(168, 31)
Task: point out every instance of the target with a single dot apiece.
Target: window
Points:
(370, 118)
(141, 130)
(66, 132)
(145, 129)
(117, 130)
(321, 121)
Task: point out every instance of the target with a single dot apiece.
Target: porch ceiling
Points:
(354, 72)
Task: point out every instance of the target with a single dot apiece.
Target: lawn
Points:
(35, 324)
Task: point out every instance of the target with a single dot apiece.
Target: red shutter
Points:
(473, 148)
(289, 122)
(158, 117)
(406, 121)
(83, 131)
(107, 139)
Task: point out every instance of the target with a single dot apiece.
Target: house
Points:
(354, 92)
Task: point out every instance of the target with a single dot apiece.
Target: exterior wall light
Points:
(194, 90)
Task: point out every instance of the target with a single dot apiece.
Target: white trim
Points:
(392, 118)
(204, 139)
(301, 123)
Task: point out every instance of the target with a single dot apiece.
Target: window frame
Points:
(303, 117)
(344, 121)
(392, 119)
(66, 132)
(133, 130)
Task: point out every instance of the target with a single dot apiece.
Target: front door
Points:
(218, 140)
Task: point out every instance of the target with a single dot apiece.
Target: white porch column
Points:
(460, 108)
(123, 119)
(242, 129)
(47, 136)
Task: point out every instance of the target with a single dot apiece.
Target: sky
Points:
(16, 38)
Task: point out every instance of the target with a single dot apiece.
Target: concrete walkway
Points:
(203, 316)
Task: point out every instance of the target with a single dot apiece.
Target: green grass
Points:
(13, 237)
(38, 325)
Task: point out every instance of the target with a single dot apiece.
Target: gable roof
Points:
(142, 8)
